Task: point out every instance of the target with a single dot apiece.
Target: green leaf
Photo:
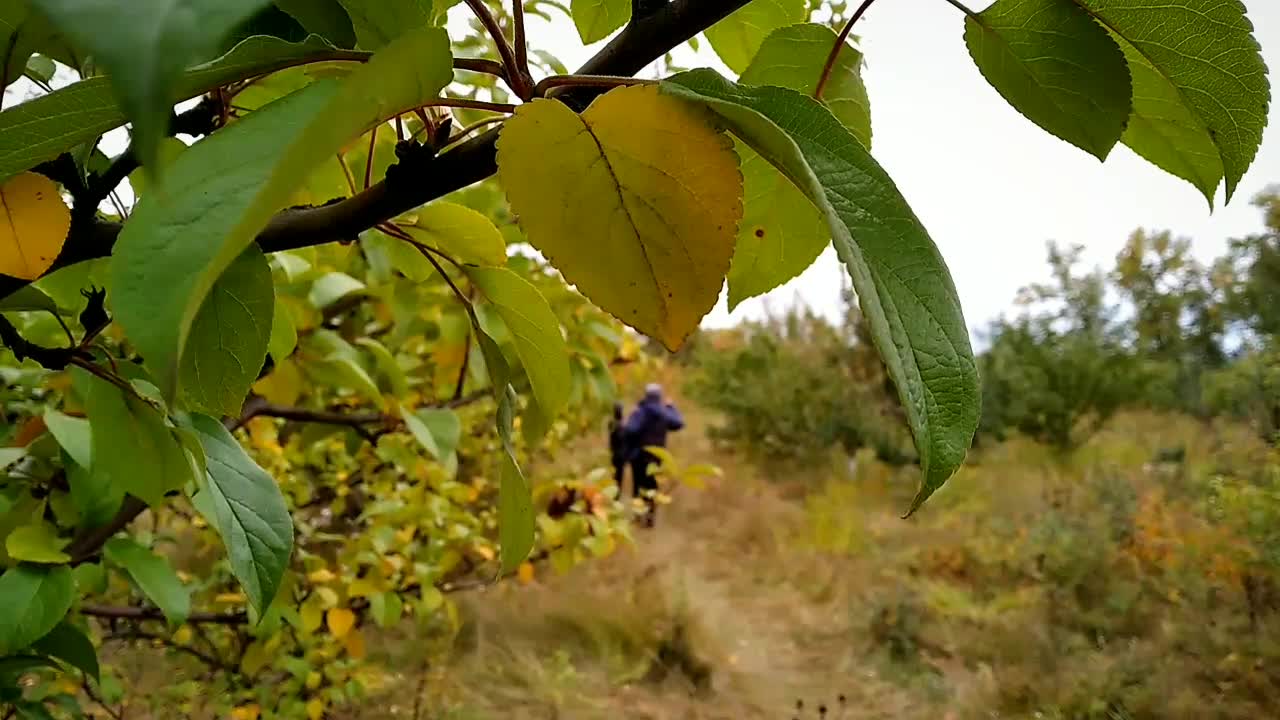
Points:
(596, 19)
(35, 598)
(223, 190)
(1209, 79)
(420, 432)
(903, 284)
(515, 498)
(378, 22)
(22, 33)
(387, 365)
(536, 331)
(284, 333)
(73, 434)
(332, 287)
(1056, 66)
(229, 337)
(446, 429)
(386, 608)
(793, 57)
(737, 37)
(245, 505)
(153, 575)
(132, 445)
(781, 233)
(40, 68)
(95, 498)
(37, 543)
(69, 644)
(45, 127)
(464, 234)
(145, 46)
(28, 297)
(325, 18)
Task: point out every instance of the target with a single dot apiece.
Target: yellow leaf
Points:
(34, 225)
(323, 575)
(255, 658)
(246, 712)
(283, 386)
(229, 598)
(525, 573)
(638, 205)
(315, 709)
(468, 236)
(313, 680)
(340, 621)
(183, 635)
(311, 614)
(328, 597)
(484, 551)
(362, 588)
(354, 644)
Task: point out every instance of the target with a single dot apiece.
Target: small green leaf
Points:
(446, 429)
(40, 68)
(153, 575)
(1056, 66)
(132, 444)
(245, 505)
(387, 365)
(387, 609)
(145, 46)
(28, 297)
(903, 285)
(793, 57)
(45, 127)
(378, 22)
(515, 499)
(332, 287)
(596, 19)
(73, 434)
(35, 598)
(95, 498)
(325, 18)
(536, 331)
(37, 543)
(420, 432)
(1204, 52)
(457, 230)
(284, 333)
(229, 337)
(69, 644)
(737, 37)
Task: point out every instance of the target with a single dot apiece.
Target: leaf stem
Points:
(471, 104)
(521, 85)
(598, 81)
(835, 49)
(464, 132)
(480, 65)
(962, 8)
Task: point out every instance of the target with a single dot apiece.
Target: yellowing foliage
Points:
(35, 225)
(638, 205)
(340, 621)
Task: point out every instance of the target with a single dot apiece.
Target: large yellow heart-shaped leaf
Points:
(636, 201)
(34, 225)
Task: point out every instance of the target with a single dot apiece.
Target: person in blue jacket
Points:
(647, 427)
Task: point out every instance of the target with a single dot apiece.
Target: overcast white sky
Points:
(991, 187)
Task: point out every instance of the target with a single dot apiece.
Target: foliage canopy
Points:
(293, 280)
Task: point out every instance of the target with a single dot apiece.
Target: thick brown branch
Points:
(86, 545)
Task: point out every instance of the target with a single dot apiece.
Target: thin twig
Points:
(835, 49)
(464, 132)
(596, 81)
(112, 612)
(521, 85)
(480, 65)
(87, 544)
(206, 658)
(471, 104)
(368, 163)
(522, 47)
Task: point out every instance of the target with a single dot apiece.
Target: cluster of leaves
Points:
(645, 197)
(1160, 329)
(792, 386)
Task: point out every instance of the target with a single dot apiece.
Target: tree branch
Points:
(112, 612)
(641, 42)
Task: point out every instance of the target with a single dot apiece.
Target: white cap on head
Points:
(653, 390)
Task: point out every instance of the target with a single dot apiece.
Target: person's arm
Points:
(634, 425)
(675, 420)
